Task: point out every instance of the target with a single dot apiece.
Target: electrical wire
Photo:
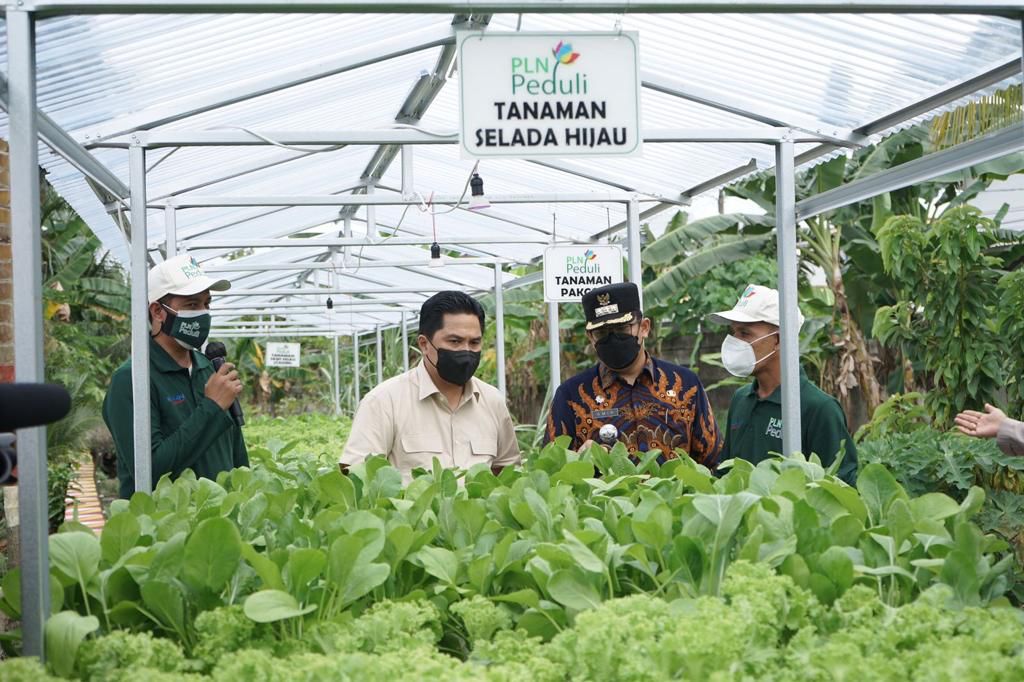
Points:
(427, 131)
(294, 148)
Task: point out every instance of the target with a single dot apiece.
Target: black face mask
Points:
(618, 350)
(456, 366)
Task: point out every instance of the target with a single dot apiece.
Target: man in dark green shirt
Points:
(754, 426)
(189, 401)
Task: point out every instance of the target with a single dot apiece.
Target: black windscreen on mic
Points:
(24, 405)
(216, 350)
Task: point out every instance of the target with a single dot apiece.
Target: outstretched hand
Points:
(981, 424)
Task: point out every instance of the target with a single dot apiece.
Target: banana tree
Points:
(694, 249)
(977, 117)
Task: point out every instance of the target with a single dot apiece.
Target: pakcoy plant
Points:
(294, 546)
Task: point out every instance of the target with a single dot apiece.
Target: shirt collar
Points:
(776, 396)
(427, 387)
(609, 375)
(162, 361)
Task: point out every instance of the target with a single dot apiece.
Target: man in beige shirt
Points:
(438, 409)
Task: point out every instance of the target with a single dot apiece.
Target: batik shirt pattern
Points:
(666, 408)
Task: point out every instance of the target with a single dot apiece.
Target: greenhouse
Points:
(822, 197)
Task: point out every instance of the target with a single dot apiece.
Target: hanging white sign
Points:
(529, 95)
(283, 354)
(571, 271)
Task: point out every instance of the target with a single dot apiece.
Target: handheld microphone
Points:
(215, 353)
(608, 434)
(22, 406)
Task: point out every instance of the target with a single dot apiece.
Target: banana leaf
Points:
(726, 249)
(692, 235)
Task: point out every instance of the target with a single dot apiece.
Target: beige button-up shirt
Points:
(409, 420)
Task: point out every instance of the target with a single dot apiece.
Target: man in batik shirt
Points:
(653, 404)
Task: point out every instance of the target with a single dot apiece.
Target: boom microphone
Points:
(24, 405)
(216, 353)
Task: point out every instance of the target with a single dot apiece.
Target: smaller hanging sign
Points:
(283, 354)
(571, 271)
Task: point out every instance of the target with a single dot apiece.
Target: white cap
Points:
(756, 304)
(181, 276)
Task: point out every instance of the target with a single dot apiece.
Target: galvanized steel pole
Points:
(380, 357)
(26, 254)
(143, 458)
(355, 371)
(789, 337)
(170, 232)
(404, 342)
(337, 379)
(499, 326)
(554, 348)
(633, 244)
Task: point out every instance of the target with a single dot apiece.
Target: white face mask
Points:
(738, 356)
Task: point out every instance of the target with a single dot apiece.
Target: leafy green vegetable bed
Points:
(320, 434)
(763, 627)
(294, 571)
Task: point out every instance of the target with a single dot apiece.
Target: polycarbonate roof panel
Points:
(843, 70)
(107, 74)
(93, 69)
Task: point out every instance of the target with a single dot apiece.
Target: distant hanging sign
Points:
(571, 271)
(283, 354)
(528, 95)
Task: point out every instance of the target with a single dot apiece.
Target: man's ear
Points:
(156, 317)
(645, 327)
(422, 343)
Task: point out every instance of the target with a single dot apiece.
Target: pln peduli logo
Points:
(589, 253)
(563, 53)
(539, 75)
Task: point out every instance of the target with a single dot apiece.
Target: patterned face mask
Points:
(189, 328)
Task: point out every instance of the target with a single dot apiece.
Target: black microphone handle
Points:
(235, 410)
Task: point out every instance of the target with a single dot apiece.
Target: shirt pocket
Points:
(483, 450)
(419, 450)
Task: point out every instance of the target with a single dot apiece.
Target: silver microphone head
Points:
(608, 434)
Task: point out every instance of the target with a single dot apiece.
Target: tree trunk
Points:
(908, 376)
(856, 365)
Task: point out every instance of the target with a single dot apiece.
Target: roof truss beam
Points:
(400, 136)
(991, 146)
(63, 144)
(764, 114)
(999, 7)
(604, 179)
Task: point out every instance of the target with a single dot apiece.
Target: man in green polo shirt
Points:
(189, 401)
(754, 426)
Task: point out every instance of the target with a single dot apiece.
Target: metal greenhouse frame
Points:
(87, 164)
